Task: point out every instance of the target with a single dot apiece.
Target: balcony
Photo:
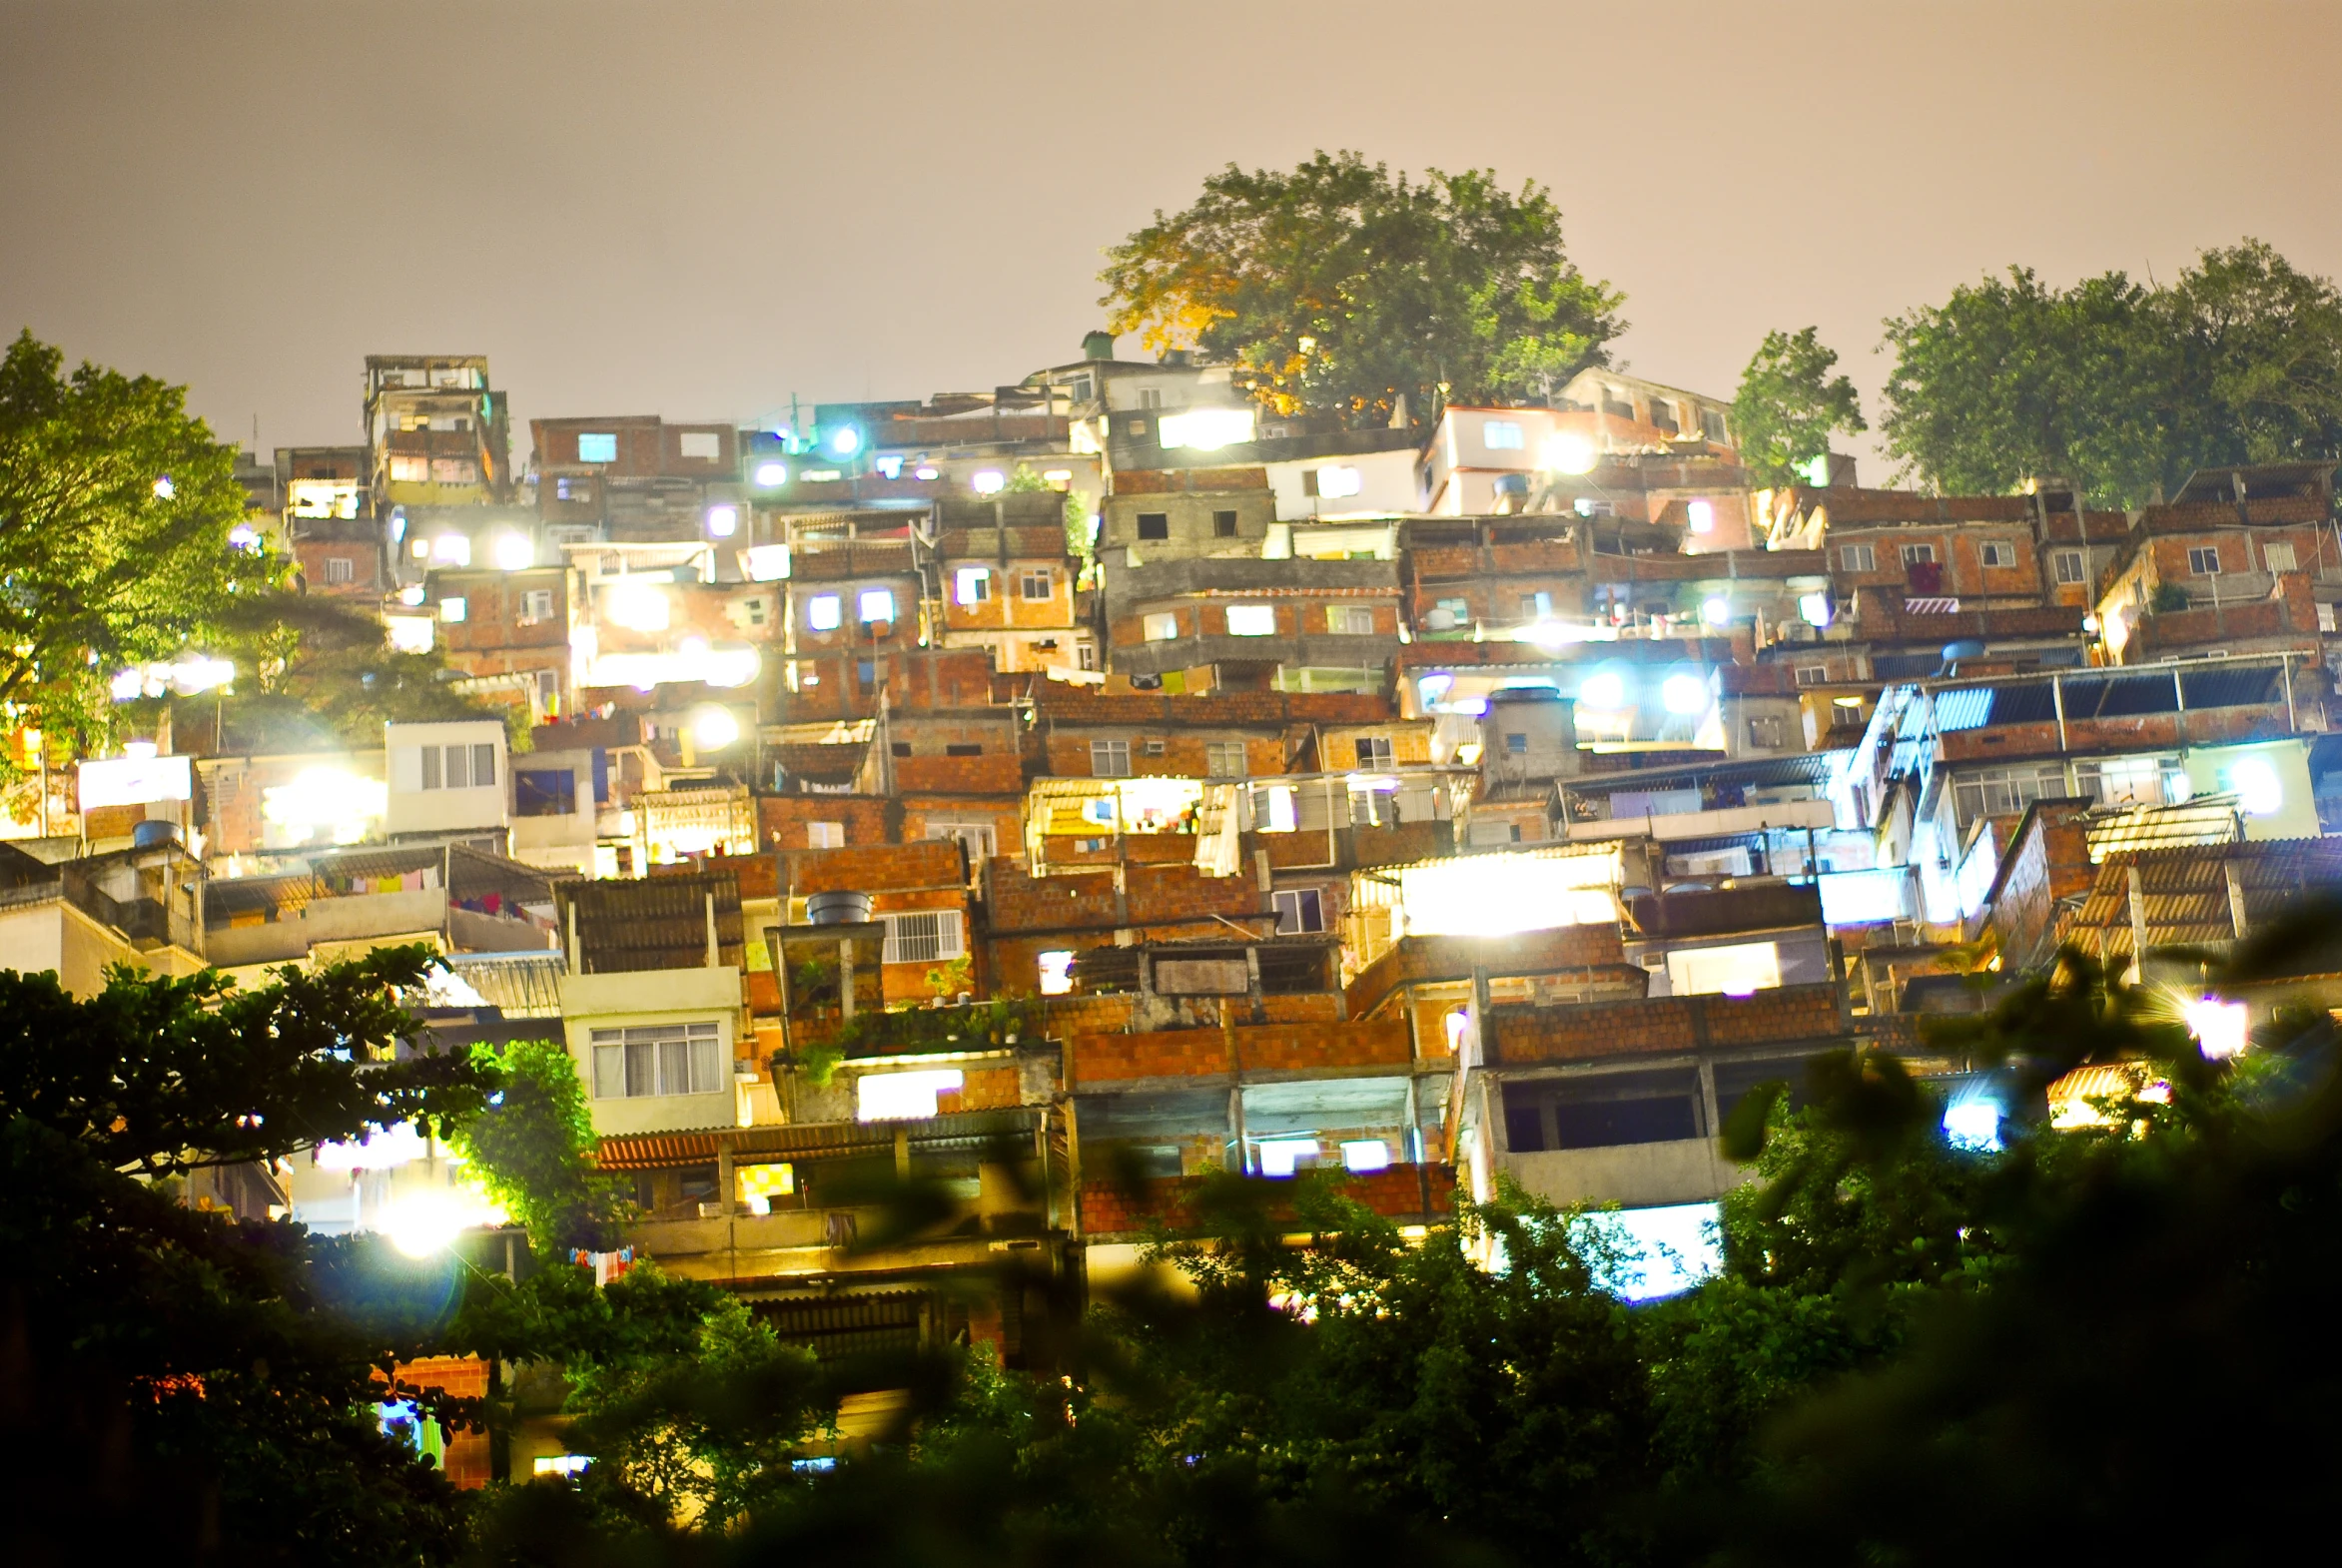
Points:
(1415, 1194)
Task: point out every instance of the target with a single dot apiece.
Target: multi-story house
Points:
(437, 433)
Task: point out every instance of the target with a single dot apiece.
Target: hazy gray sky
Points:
(696, 210)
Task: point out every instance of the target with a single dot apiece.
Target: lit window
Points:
(339, 568)
(1365, 1156)
(1162, 627)
(1251, 620)
(597, 447)
(1501, 434)
(2278, 556)
(1735, 971)
(409, 471)
(974, 585)
(1057, 972)
(821, 612)
(1225, 759)
(1350, 620)
(2204, 561)
(825, 835)
(923, 936)
(1282, 1157)
(1206, 429)
(658, 1058)
(903, 1097)
(453, 610)
(454, 548)
(1337, 480)
(704, 445)
(876, 604)
(569, 1465)
(1702, 516)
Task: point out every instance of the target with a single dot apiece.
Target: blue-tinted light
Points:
(845, 440)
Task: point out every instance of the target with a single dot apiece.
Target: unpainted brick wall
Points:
(1664, 1025)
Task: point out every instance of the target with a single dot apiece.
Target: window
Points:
(2001, 792)
(1251, 620)
(1765, 734)
(923, 936)
(755, 610)
(454, 470)
(2326, 617)
(825, 835)
(2204, 560)
(1225, 759)
(901, 748)
(1711, 426)
(866, 675)
(1602, 1110)
(1150, 397)
(1363, 1156)
(973, 586)
(1298, 910)
(2278, 556)
(1039, 585)
(457, 767)
(1223, 524)
(573, 489)
(1663, 415)
(1516, 745)
(1151, 748)
(1160, 627)
(1995, 553)
(601, 446)
(1536, 606)
(537, 604)
(876, 604)
(409, 471)
(1449, 612)
(544, 792)
(1734, 971)
(1702, 515)
(1856, 557)
(341, 568)
(2126, 781)
(1110, 759)
(963, 750)
(1350, 620)
(2070, 567)
(1154, 525)
(1374, 751)
(1919, 554)
(1501, 434)
(821, 612)
(1812, 674)
(703, 444)
(1337, 480)
(658, 1058)
(1057, 972)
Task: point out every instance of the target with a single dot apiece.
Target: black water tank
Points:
(837, 909)
(149, 834)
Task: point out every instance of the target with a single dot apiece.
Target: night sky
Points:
(700, 209)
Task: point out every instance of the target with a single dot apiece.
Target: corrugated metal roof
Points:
(518, 985)
(813, 1141)
(1812, 767)
(2184, 892)
(659, 923)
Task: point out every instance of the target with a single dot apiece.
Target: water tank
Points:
(837, 909)
(146, 835)
(1098, 346)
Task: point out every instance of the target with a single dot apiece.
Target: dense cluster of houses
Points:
(1055, 794)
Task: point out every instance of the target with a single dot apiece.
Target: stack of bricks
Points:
(1666, 1026)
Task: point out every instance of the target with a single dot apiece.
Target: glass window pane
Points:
(708, 1075)
(674, 1066)
(641, 1067)
(609, 1072)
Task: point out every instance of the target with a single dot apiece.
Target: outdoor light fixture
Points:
(2258, 790)
(1684, 694)
(1814, 608)
(1716, 612)
(2218, 1027)
(164, 488)
(891, 467)
(514, 552)
(722, 522)
(845, 441)
(990, 482)
(1702, 515)
(1972, 1121)
(769, 475)
(639, 606)
(1206, 429)
(454, 548)
(1603, 690)
(244, 537)
(1568, 453)
(1059, 477)
(329, 799)
(712, 729)
(924, 471)
(410, 594)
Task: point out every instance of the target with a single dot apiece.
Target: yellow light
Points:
(1568, 453)
(639, 606)
(1497, 895)
(714, 729)
(427, 1222)
(327, 798)
(514, 552)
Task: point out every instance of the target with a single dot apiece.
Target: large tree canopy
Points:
(115, 509)
(2121, 388)
(1789, 406)
(1336, 289)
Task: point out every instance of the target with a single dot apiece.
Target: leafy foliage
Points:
(1789, 406)
(533, 1146)
(115, 515)
(2122, 389)
(1336, 289)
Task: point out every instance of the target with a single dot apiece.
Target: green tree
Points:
(1337, 290)
(116, 515)
(1789, 406)
(533, 1145)
(2262, 347)
(222, 1373)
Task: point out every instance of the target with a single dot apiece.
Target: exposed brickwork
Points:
(1065, 702)
(465, 1377)
(1274, 1047)
(874, 868)
(1001, 773)
(1108, 1208)
(1417, 959)
(1664, 1025)
(1172, 482)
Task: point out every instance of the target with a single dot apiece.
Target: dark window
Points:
(963, 751)
(1516, 745)
(1223, 524)
(1604, 1122)
(1154, 525)
(544, 792)
(866, 673)
(1524, 1126)
(1606, 1109)
(1298, 910)
(901, 748)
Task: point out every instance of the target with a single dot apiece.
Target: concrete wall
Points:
(349, 919)
(655, 996)
(414, 809)
(1633, 1175)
